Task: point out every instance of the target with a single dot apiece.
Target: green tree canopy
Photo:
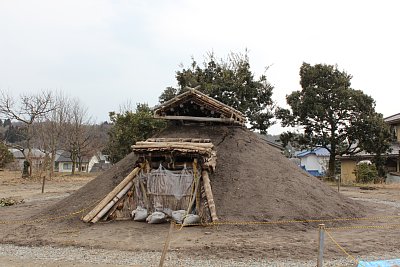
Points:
(332, 114)
(130, 127)
(231, 82)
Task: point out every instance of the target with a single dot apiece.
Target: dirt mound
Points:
(252, 181)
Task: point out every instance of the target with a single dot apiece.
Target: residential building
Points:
(314, 161)
(64, 163)
(392, 165)
(37, 157)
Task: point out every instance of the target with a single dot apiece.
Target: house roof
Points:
(394, 119)
(65, 156)
(36, 153)
(271, 141)
(175, 109)
(394, 152)
(319, 151)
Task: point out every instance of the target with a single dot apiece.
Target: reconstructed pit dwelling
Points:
(207, 164)
(172, 174)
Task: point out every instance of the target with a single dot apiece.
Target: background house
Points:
(37, 157)
(348, 163)
(314, 161)
(63, 163)
(98, 163)
(272, 140)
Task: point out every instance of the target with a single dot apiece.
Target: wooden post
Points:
(321, 236)
(166, 245)
(209, 195)
(196, 181)
(43, 182)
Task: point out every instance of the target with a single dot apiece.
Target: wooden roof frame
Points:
(231, 115)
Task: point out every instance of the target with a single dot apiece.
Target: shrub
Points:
(366, 173)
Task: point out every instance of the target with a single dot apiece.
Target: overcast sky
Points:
(109, 52)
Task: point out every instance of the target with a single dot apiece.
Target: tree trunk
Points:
(79, 164)
(29, 159)
(332, 162)
(73, 158)
(52, 162)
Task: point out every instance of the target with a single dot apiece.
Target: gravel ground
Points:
(11, 255)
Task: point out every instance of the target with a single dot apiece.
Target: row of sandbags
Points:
(179, 216)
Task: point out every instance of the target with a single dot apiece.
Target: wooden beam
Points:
(191, 140)
(111, 195)
(188, 145)
(112, 202)
(200, 119)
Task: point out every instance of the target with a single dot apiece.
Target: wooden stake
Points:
(43, 182)
(166, 245)
(321, 235)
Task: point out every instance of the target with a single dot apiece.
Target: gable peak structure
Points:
(196, 106)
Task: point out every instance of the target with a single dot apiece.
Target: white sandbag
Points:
(139, 214)
(177, 215)
(156, 217)
(191, 219)
(167, 212)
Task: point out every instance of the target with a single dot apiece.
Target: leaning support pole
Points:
(321, 236)
(209, 195)
(111, 195)
(112, 202)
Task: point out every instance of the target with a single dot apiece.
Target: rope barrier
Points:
(341, 248)
(218, 223)
(385, 226)
(49, 219)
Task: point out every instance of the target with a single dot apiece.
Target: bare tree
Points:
(79, 134)
(28, 109)
(49, 131)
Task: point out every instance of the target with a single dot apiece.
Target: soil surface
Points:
(252, 182)
(58, 243)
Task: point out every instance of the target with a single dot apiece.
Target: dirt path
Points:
(116, 243)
